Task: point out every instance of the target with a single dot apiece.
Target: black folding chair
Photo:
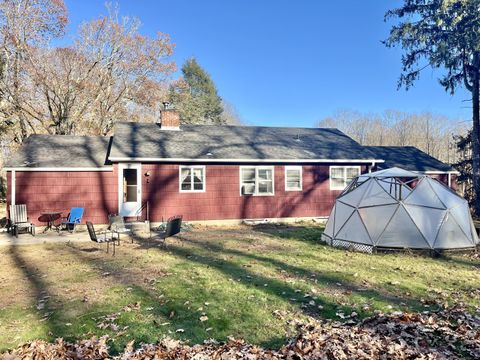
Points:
(104, 236)
(174, 225)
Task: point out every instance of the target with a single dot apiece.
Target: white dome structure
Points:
(395, 208)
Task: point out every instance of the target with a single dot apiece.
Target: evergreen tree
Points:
(464, 165)
(195, 96)
(443, 34)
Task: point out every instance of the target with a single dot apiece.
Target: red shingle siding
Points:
(95, 191)
(222, 199)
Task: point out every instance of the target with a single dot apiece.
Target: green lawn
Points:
(213, 283)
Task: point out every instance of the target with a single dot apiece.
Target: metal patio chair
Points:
(104, 236)
(19, 220)
(173, 227)
(116, 224)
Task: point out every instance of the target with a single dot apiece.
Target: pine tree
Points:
(443, 34)
(196, 97)
(464, 165)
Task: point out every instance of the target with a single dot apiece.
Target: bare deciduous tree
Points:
(24, 24)
(111, 72)
(429, 132)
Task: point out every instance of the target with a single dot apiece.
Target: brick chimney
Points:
(169, 117)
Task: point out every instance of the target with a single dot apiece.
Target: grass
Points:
(248, 282)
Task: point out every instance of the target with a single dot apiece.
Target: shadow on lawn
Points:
(309, 234)
(46, 304)
(460, 261)
(195, 330)
(74, 319)
(315, 278)
(187, 319)
(209, 255)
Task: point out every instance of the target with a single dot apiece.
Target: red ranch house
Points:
(153, 171)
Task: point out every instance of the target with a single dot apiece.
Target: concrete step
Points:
(138, 225)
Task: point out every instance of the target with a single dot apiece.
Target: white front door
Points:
(129, 189)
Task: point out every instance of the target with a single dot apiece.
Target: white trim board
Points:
(267, 161)
(13, 189)
(441, 172)
(60, 169)
(129, 208)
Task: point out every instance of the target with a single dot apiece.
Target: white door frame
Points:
(132, 208)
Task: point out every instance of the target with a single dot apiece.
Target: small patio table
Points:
(50, 218)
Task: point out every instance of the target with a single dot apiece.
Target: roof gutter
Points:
(62, 169)
(207, 160)
(454, 172)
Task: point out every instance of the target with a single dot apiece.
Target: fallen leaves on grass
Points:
(109, 322)
(130, 307)
(87, 349)
(442, 334)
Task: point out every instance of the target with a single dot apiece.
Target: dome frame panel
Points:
(418, 209)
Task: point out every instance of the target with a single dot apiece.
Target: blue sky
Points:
(289, 63)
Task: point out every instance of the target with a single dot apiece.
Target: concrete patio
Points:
(40, 238)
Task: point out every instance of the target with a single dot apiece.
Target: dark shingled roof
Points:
(408, 158)
(141, 140)
(51, 151)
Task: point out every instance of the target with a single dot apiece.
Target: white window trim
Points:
(256, 182)
(344, 175)
(301, 178)
(204, 180)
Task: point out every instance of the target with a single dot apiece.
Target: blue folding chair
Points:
(73, 219)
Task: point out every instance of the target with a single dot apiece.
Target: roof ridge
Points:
(234, 126)
(69, 135)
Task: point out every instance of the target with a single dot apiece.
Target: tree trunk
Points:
(476, 132)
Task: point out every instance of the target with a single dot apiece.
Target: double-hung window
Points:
(341, 176)
(293, 178)
(256, 180)
(192, 178)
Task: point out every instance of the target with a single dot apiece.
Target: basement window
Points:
(341, 176)
(192, 178)
(256, 180)
(293, 178)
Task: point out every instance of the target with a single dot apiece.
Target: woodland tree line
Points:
(432, 133)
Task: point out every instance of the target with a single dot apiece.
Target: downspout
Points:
(450, 180)
(370, 168)
(13, 190)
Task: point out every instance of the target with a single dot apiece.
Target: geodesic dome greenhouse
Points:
(395, 208)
